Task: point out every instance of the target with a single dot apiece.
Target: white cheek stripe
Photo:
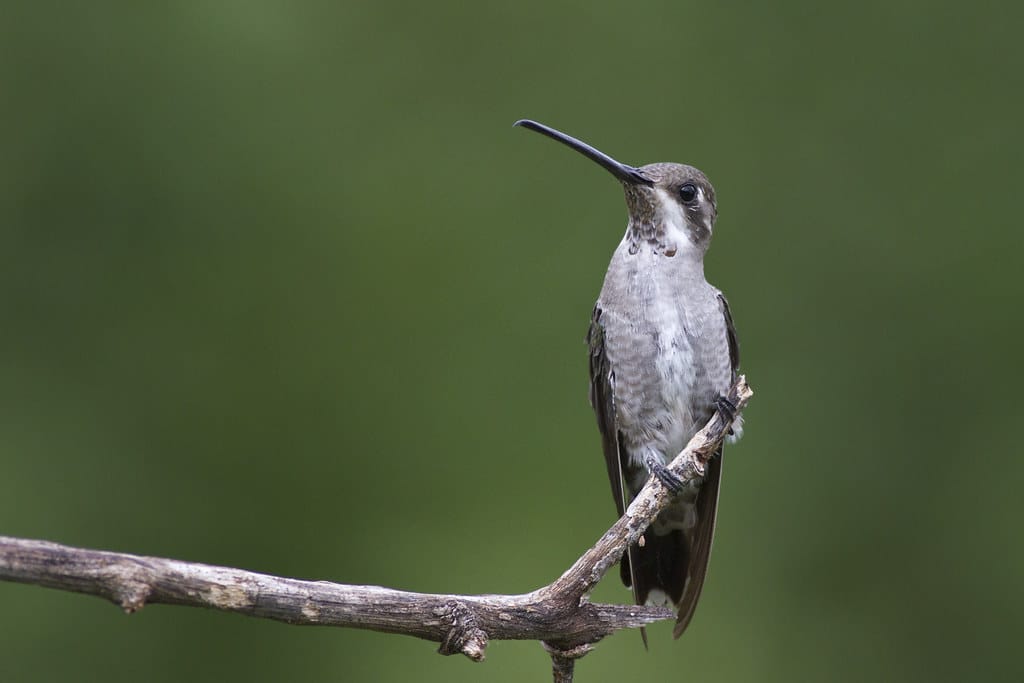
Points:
(676, 233)
(672, 213)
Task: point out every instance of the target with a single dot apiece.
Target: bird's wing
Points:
(707, 504)
(602, 400)
(730, 331)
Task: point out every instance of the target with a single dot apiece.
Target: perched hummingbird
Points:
(663, 354)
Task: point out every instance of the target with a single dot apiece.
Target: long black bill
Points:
(627, 174)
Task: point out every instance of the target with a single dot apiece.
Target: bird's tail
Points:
(657, 568)
(669, 568)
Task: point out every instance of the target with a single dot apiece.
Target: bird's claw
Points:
(726, 407)
(673, 483)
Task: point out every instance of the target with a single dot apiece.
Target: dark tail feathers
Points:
(660, 563)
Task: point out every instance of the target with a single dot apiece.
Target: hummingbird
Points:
(663, 355)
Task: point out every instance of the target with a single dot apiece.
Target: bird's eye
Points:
(688, 192)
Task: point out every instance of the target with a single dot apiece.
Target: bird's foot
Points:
(673, 483)
(726, 407)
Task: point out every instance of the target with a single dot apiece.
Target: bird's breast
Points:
(657, 354)
(677, 364)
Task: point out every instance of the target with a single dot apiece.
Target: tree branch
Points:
(559, 615)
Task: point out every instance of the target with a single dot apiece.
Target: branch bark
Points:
(560, 615)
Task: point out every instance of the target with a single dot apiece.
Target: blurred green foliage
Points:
(281, 288)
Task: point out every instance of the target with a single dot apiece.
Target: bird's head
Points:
(671, 206)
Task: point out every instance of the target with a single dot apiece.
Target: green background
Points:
(281, 288)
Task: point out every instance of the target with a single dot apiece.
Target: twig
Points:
(560, 615)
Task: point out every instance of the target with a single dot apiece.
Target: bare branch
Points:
(560, 614)
(563, 662)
